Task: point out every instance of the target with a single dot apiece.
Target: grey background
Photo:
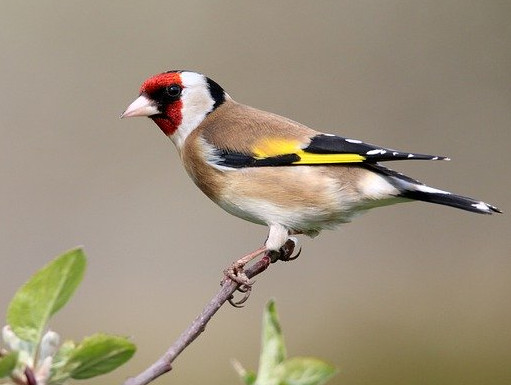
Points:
(410, 294)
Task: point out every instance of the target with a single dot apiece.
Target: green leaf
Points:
(99, 354)
(250, 377)
(8, 363)
(304, 371)
(273, 350)
(44, 294)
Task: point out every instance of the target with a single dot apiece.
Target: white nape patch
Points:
(197, 103)
(410, 155)
(277, 237)
(482, 206)
(427, 189)
(356, 141)
(377, 151)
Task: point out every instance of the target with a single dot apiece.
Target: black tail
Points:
(448, 199)
(413, 189)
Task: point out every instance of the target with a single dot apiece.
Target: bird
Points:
(273, 171)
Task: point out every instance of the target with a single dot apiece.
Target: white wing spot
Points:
(353, 141)
(395, 153)
(434, 158)
(329, 134)
(481, 206)
(410, 155)
(376, 151)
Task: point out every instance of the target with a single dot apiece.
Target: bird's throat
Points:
(167, 125)
(170, 119)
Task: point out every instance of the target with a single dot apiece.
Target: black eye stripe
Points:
(166, 95)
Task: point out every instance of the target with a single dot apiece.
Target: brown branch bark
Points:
(29, 374)
(164, 363)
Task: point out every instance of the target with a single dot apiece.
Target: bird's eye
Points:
(173, 91)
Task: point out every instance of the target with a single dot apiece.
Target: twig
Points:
(29, 374)
(164, 363)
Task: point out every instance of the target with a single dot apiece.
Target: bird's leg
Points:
(278, 246)
(236, 273)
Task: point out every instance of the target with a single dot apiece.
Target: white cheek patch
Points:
(197, 103)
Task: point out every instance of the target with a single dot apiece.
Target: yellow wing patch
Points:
(268, 148)
(309, 158)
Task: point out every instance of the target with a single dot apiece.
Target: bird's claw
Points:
(236, 274)
(292, 258)
(246, 293)
(285, 253)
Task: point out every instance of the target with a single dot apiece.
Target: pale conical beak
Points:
(141, 106)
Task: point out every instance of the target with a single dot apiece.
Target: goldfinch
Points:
(273, 171)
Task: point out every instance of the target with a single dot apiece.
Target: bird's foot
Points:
(285, 253)
(236, 273)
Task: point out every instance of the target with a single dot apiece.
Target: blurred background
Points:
(409, 294)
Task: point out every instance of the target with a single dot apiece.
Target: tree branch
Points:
(164, 363)
(29, 374)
